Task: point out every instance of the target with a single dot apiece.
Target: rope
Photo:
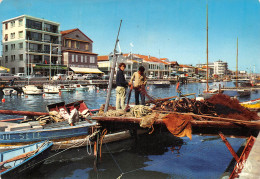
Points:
(76, 144)
(115, 161)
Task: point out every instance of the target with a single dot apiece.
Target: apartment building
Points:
(77, 52)
(218, 67)
(31, 45)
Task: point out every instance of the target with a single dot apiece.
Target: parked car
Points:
(88, 76)
(37, 77)
(151, 77)
(22, 76)
(105, 77)
(165, 76)
(8, 77)
(59, 77)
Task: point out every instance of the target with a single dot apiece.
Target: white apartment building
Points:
(220, 67)
(29, 43)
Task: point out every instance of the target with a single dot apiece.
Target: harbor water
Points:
(151, 156)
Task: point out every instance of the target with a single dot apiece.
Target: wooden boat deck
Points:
(252, 165)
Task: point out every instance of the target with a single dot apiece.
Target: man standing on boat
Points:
(139, 85)
(74, 114)
(121, 85)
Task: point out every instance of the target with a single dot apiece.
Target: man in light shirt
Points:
(140, 81)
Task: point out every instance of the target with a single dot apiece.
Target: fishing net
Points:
(230, 108)
(179, 125)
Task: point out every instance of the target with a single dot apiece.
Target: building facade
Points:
(31, 45)
(77, 52)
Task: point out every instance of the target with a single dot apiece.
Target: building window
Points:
(6, 37)
(13, 70)
(92, 59)
(6, 26)
(81, 58)
(6, 59)
(12, 35)
(20, 45)
(20, 22)
(76, 58)
(6, 48)
(12, 46)
(12, 24)
(20, 34)
(72, 59)
(21, 70)
(12, 58)
(86, 47)
(21, 57)
(69, 43)
(77, 45)
(86, 59)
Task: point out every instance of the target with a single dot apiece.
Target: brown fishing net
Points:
(230, 108)
(179, 125)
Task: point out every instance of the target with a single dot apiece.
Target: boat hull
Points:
(12, 139)
(20, 167)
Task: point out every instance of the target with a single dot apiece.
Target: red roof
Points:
(186, 66)
(68, 31)
(150, 59)
(65, 32)
(103, 58)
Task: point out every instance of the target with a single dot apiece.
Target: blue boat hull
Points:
(14, 138)
(20, 168)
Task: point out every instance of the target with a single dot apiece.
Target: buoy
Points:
(43, 95)
(60, 93)
(3, 100)
(97, 91)
(26, 96)
(148, 87)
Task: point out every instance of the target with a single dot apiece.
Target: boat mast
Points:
(112, 70)
(237, 65)
(207, 77)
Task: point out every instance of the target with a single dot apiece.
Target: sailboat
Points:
(209, 91)
(240, 92)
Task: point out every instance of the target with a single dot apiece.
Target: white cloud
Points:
(132, 45)
(2, 1)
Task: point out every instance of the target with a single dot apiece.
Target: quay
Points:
(252, 165)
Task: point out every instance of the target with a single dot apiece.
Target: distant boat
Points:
(51, 89)
(243, 92)
(66, 88)
(205, 81)
(80, 87)
(32, 89)
(161, 84)
(9, 91)
(16, 162)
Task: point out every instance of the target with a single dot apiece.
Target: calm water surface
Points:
(152, 156)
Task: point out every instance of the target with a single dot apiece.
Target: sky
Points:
(173, 29)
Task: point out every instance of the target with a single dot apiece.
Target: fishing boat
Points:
(16, 162)
(32, 90)
(9, 91)
(51, 89)
(80, 87)
(66, 88)
(161, 84)
(252, 105)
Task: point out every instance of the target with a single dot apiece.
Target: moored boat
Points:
(66, 88)
(16, 162)
(51, 89)
(9, 91)
(32, 89)
(161, 84)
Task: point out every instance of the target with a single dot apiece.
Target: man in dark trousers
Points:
(121, 84)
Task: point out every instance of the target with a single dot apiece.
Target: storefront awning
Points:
(53, 67)
(85, 70)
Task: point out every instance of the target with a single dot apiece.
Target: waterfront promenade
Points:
(252, 165)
